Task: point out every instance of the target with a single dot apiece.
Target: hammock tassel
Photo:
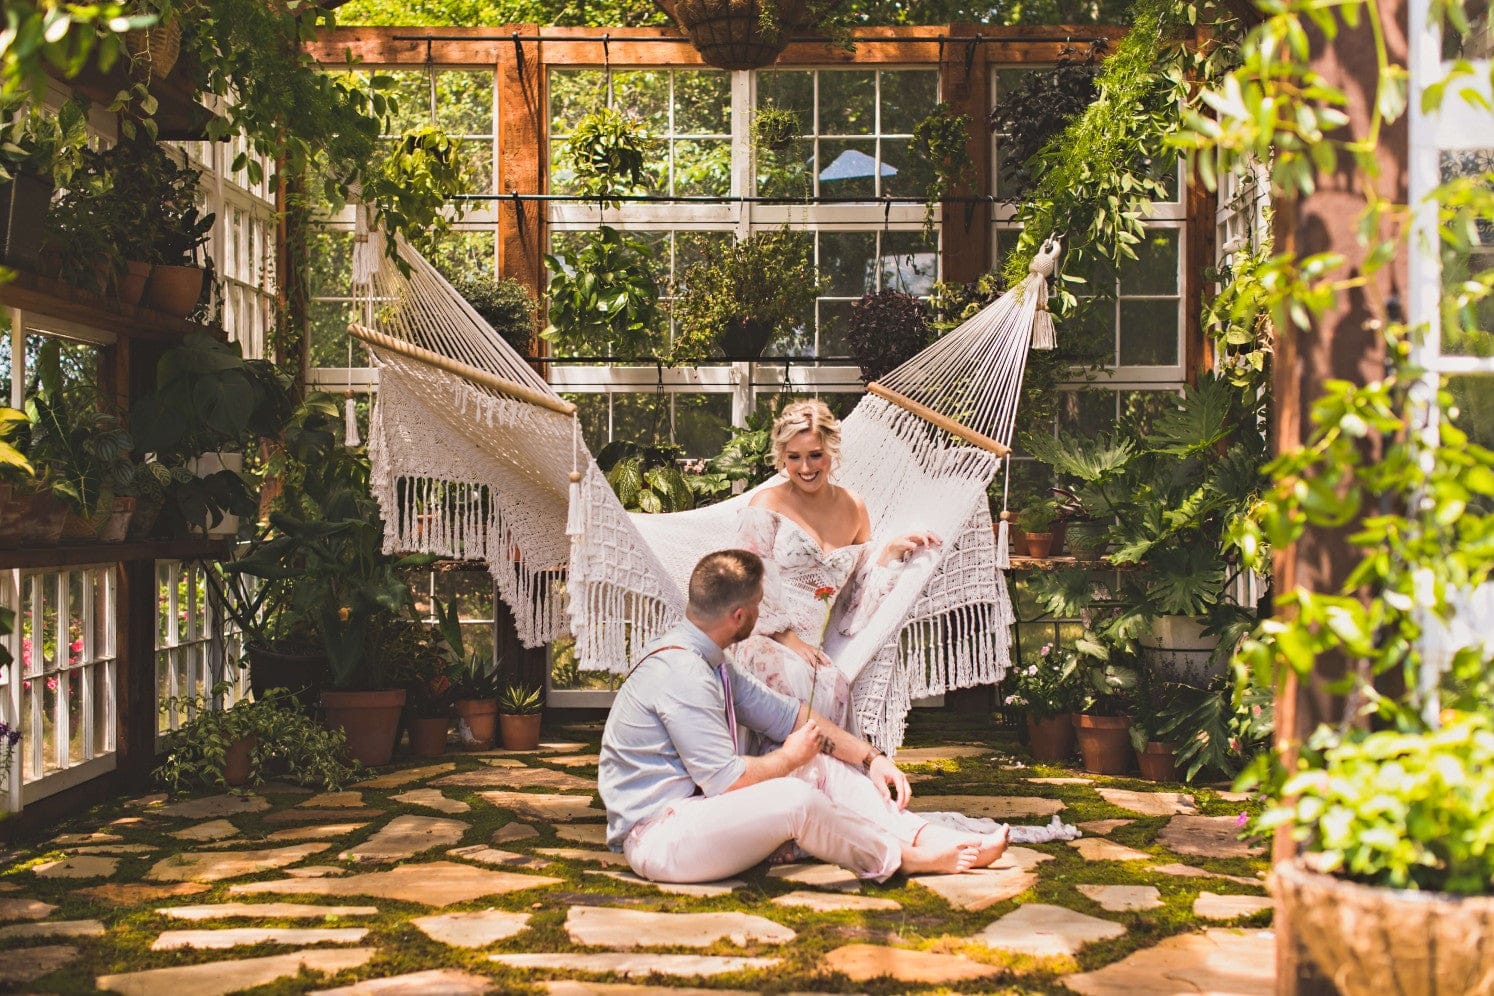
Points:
(1043, 266)
(1043, 335)
(575, 520)
(1003, 542)
(350, 421)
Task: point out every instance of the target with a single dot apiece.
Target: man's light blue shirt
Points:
(667, 731)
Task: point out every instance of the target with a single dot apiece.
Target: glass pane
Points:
(103, 707)
(330, 342)
(791, 90)
(330, 262)
(835, 318)
(72, 687)
(412, 92)
(479, 639)
(1007, 81)
(1155, 269)
(573, 94)
(702, 167)
(848, 168)
(29, 697)
(1149, 333)
(477, 158)
(1141, 408)
(785, 172)
(591, 409)
(848, 261)
(1469, 330)
(1030, 481)
(702, 423)
(473, 591)
(908, 95)
(644, 96)
(840, 405)
(1090, 331)
(694, 247)
(565, 673)
(908, 264)
(900, 174)
(640, 418)
(847, 102)
(1473, 406)
(462, 253)
(702, 103)
(1086, 413)
(464, 101)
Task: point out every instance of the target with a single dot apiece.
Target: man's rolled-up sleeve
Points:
(696, 722)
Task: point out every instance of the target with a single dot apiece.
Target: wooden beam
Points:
(944, 422)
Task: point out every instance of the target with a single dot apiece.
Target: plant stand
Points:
(1051, 739)
(520, 732)
(1370, 940)
(370, 720)
(477, 722)
(1105, 742)
(428, 735)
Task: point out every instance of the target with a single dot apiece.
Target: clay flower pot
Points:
(370, 720)
(428, 735)
(480, 717)
(1039, 544)
(236, 760)
(520, 732)
(1105, 742)
(1051, 739)
(1158, 762)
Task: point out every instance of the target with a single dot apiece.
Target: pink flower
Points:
(1241, 820)
(1047, 649)
(51, 683)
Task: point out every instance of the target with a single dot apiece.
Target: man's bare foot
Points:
(991, 846)
(949, 860)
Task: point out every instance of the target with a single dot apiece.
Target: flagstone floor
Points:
(486, 872)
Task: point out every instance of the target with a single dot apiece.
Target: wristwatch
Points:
(871, 756)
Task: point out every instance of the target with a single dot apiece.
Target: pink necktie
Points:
(731, 711)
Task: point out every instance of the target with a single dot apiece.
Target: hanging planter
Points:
(743, 34)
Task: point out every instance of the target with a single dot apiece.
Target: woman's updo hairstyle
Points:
(807, 416)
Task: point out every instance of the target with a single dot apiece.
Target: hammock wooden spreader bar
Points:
(949, 425)
(467, 372)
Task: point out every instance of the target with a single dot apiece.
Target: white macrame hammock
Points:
(475, 457)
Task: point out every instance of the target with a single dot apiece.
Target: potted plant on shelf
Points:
(743, 297)
(38, 153)
(1036, 523)
(886, 330)
(220, 748)
(1050, 690)
(519, 708)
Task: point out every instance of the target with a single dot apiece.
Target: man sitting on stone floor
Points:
(684, 806)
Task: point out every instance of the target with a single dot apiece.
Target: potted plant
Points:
(886, 330)
(38, 152)
(220, 748)
(745, 34)
(741, 298)
(646, 478)
(476, 704)
(506, 305)
(782, 163)
(428, 699)
(1036, 523)
(519, 710)
(1050, 690)
(941, 155)
(606, 153)
(602, 298)
(1103, 723)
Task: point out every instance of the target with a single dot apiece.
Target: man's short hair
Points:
(724, 580)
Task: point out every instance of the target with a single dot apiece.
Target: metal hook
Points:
(607, 65)
(970, 52)
(519, 55)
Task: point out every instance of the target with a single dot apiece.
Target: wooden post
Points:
(522, 159)
(965, 85)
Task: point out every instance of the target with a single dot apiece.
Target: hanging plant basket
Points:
(729, 34)
(155, 49)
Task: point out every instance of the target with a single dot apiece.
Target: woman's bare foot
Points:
(991, 846)
(950, 860)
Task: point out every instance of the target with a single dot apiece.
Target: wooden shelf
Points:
(69, 555)
(1054, 563)
(74, 312)
(179, 117)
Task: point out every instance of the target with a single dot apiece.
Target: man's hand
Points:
(803, 744)
(889, 780)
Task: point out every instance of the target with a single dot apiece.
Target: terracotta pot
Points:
(1370, 940)
(132, 284)
(1019, 542)
(236, 760)
(23, 218)
(174, 290)
(520, 732)
(370, 719)
(42, 523)
(428, 734)
(1087, 540)
(303, 675)
(1158, 762)
(477, 722)
(1039, 544)
(1051, 739)
(1105, 742)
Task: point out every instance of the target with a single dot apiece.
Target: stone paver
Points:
(114, 849)
(1234, 962)
(213, 866)
(324, 814)
(698, 889)
(1123, 898)
(1102, 827)
(576, 760)
(609, 858)
(571, 987)
(641, 964)
(1100, 849)
(317, 831)
(406, 836)
(996, 807)
(316, 871)
(1045, 931)
(485, 777)
(211, 830)
(407, 776)
(1229, 796)
(864, 962)
(81, 866)
(436, 982)
(154, 799)
(822, 902)
(76, 839)
(554, 808)
(1188, 871)
(472, 930)
(52, 928)
(1066, 780)
(134, 893)
(820, 876)
(432, 799)
(1149, 803)
(434, 883)
(485, 855)
(214, 806)
(927, 755)
(24, 909)
(27, 964)
(1205, 837)
(503, 762)
(510, 832)
(1011, 875)
(281, 911)
(1212, 906)
(333, 800)
(218, 978)
(548, 747)
(583, 833)
(232, 937)
(611, 927)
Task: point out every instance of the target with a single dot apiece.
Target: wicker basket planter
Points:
(1373, 941)
(728, 33)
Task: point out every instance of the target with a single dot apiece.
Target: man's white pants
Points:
(833, 810)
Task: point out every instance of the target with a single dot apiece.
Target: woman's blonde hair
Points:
(807, 416)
